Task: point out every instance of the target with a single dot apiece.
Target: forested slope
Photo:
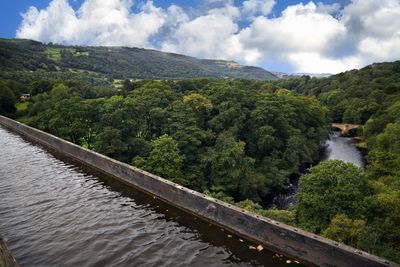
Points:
(116, 62)
(353, 96)
(371, 221)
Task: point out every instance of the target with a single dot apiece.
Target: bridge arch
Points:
(346, 127)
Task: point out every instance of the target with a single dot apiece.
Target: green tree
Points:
(231, 170)
(382, 164)
(200, 105)
(232, 103)
(285, 216)
(7, 99)
(184, 128)
(389, 203)
(127, 86)
(344, 229)
(65, 119)
(109, 142)
(389, 140)
(59, 92)
(330, 188)
(164, 160)
(41, 86)
(251, 206)
(151, 100)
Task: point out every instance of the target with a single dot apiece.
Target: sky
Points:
(321, 36)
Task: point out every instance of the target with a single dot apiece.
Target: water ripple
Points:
(54, 213)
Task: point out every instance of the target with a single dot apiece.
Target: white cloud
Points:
(258, 7)
(380, 50)
(212, 35)
(205, 36)
(312, 37)
(300, 29)
(313, 62)
(57, 22)
(95, 23)
(373, 29)
(326, 8)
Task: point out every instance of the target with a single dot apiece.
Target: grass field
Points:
(22, 106)
(55, 53)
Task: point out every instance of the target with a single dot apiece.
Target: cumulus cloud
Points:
(309, 62)
(300, 29)
(305, 36)
(373, 30)
(212, 35)
(312, 37)
(95, 23)
(57, 22)
(329, 8)
(197, 36)
(258, 7)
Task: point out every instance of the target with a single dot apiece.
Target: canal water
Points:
(336, 147)
(56, 212)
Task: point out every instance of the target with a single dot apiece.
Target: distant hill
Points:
(118, 62)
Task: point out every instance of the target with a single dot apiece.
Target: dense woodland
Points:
(240, 140)
(221, 137)
(361, 209)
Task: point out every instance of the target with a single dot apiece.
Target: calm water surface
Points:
(55, 212)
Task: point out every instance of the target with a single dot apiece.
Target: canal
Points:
(56, 212)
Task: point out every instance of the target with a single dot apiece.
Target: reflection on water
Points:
(55, 212)
(342, 148)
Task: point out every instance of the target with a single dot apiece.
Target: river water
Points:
(336, 147)
(342, 148)
(56, 212)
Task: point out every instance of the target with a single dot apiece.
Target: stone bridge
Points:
(345, 127)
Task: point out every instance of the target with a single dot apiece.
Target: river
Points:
(342, 148)
(57, 212)
(336, 147)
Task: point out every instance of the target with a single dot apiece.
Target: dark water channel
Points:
(336, 147)
(56, 212)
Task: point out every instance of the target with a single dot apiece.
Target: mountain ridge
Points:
(120, 62)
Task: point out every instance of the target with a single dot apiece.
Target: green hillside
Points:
(353, 96)
(115, 63)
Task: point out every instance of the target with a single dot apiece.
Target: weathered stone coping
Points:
(6, 258)
(277, 236)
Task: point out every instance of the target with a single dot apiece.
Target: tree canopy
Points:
(7, 99)
(332, 187)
